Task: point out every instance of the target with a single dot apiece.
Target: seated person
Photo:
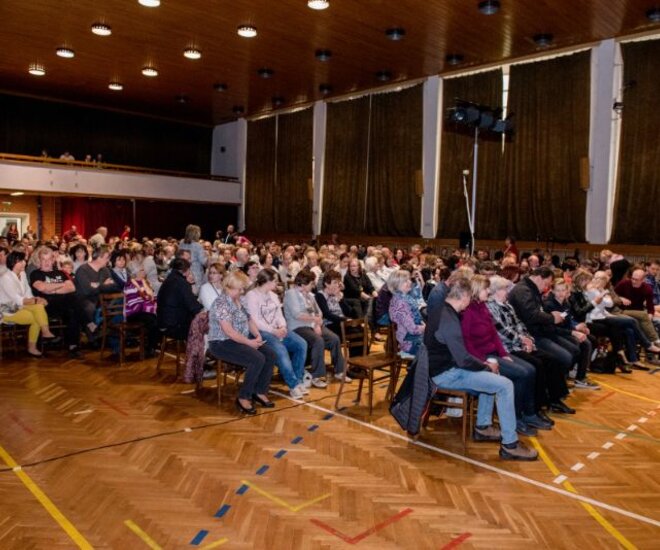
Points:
(118, 269)
(234, 337)
(140, 307)
(59, 291)
(265, 309)
(331, 301)
(358, 290)
(212, 288)
(373, 267)
(177, 305)
(638, 303)
(19, 306)
(452, 367)
(404, 311)
(79, 255)
(303, 316)
(483, 342)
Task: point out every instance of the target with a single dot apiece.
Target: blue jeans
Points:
(492, 389)
(523, 376)
(291, 354)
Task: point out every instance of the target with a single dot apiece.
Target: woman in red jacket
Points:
(482, 341)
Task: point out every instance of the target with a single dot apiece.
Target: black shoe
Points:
(525, 429)
(263, 402)
(52, 341)
(251, 411)
(545, 417)
(75, 353)
(535, 421)
(35, 355)
(561, 407)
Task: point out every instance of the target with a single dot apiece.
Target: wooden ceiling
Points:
(289, 33)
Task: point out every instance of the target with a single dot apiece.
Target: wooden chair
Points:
(13, 337)
(112, 314)
(404, 359)
(224, 368)
(179, 347)
(355, 335)
(467, 405)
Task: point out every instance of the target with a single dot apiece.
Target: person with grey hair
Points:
(99, 237)
(198, 256)
(372, 267)
(405, 312)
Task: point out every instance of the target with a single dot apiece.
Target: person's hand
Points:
(255, 343)
(41, 301)
(625, 301)
(280, 332)
(317, 330)
(508, 358)
(579, 336)
(108, 281)
(493, 366)
(559, 318)
(94, 285)
(583, 328)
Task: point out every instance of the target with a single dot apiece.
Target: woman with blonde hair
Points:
(212, 289)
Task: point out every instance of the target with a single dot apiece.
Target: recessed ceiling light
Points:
(116, 86)
(36, 69)
(318, 4)
(149, 3)
(238, 109)
(395, 33)
(653, 15)
(247, 31)
(220, 87)
(101, 29)
(454, 59)
(182, 98)
(489, 7)
(325, 88)
(543, 40)
(192, 53)
(384, 75)
(17, 193)
(265, 72)
(149, 71)
(277, 101)
(323, 54)
(65, 52)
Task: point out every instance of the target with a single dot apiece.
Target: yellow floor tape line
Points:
(214, 544)
(284, 503)
(151, 543)
(643, 398)
(48, 504)
(623, 541)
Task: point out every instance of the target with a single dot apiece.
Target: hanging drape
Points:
(550, 103)
(292, 195)
(395, 161)
(89, 213)
(260, 176)
(457, 145)
(636, 218)
(345, 179)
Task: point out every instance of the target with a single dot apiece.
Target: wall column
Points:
(318, 164)
(431, 155)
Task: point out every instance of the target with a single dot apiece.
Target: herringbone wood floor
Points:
(108, 445)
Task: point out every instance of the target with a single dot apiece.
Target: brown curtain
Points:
(550, 104)
(457, 155)
(636, 218)
(260, 176)
(344, 188)
(395, 157)
(292, 197)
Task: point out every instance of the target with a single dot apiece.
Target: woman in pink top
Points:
(483, 341)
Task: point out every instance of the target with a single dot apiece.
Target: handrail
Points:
(108, 166)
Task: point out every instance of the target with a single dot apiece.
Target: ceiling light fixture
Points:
(318, 4)
(116, 86)
(395, 33)
(36, 69)
(149, 71)
(543, 40)
(278, 101)
(266, 72)
(325, 89)
(454, 59)
(101, 29)
(384, 75)
(238, 109)
(68, 53)
(653, 15)
(149, 3)
(17, 194)
(192, 53)
(489, 7)
(323, 54)
(220, 87)
(247, 31)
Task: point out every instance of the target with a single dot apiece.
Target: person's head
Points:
(79, 253)
(312, 258)
(510, 241)
(354, 267)
(560, 290)
(234, 283)
(332, 284)
(605, 256)
(252, 269)
(581, 279)
(480, 285)
(637, 278)
(399, 281)
(16, 261)
(371, 264)
(118, 259)
(460, 294)
(74, 229)
(600, 279)
(499, 288)
(458, 274)
(45, 258)
(542, 278)
(266, 259)
(193, 233)
(66, 265)
(102, 231)
(216, 273)
(230, 229)
(181, 265)
(101, 255)
(304, 280)
(344, 260)
(184, 254)
(653, 269)
(487, 269)
(242, 255)
(266, 279)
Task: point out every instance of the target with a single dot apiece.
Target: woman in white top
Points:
(212, 289)
(18, 305)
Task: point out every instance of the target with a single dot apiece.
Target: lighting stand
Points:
(471, 209)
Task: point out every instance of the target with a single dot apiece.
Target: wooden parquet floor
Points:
(120, 458)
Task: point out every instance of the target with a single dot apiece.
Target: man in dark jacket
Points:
(177, 305)
(452, 367)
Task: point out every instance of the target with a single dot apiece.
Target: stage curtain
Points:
(260, 176)
(395, 157)
(550, 103)
(87, 214)
(636, 218)
(456, 155)
(344, 192)
(292, 197)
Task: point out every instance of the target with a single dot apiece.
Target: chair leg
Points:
(219, 366)
(341, 388)
(395, 369)
(359, 395)
(163, 347)
(466, 420)
(371, 391)
(178, 358)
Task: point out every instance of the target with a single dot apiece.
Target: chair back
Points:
(112, 307)
(355, 335)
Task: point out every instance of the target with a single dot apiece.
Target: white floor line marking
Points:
(642, 420)
(608, 445)
(592, 456)
(86, 411)
(187, 392)
(560, 479)
(16, 468)
(482, 465)
(621, 435)
(577, 467)
(651, 413)
(632, 427)
(187, 430)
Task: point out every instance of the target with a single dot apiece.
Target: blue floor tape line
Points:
(241, 490)
(261, 471)
(280, 453)
(199, 537)
(313, 427)
(328, 416)
(222, 511)
(296, 440)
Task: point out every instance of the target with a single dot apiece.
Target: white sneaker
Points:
(340, 376)
(319, 383)
(307, 380)
(296, 393)
(304, 389)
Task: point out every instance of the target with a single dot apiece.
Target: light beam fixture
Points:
(318, 4)
(220, 87)
(149, 3)
(116, 86)
(454, 59)
(395, 33)
(489, 7)
(36, 69)
(247, 31)
(101, 29)
(192, 53)
(65, 52)
(543, 39)
(149, 71)
(323, 54)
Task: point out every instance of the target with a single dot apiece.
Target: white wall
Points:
(226, 153)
